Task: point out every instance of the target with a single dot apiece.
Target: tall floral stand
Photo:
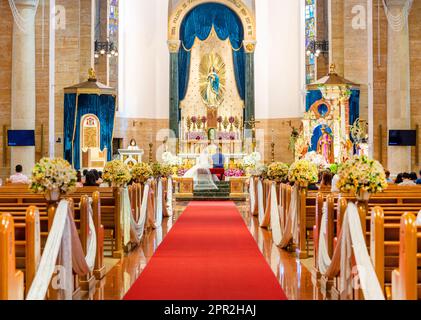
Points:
(52, 198)
(118, 251)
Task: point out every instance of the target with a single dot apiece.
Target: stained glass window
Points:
(310, 33)
(113, 23)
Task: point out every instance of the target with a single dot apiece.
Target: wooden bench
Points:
(27, 233)
(398, 254)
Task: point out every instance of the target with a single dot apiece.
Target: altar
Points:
(131, 157)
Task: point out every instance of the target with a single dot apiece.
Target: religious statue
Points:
(212, 91)
(325, 146)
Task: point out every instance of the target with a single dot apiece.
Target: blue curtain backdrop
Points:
(198, 23)
(103, 106)
(354, 103)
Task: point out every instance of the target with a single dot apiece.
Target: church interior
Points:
(198, 150)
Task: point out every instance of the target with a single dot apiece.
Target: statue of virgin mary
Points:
(212, 91)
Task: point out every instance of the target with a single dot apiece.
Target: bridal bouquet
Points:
(53, 175)
(141, 172)
(362, 175)
(303, 172)
(278, 171)
(116, 173)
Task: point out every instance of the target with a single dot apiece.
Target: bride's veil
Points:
(201, 173)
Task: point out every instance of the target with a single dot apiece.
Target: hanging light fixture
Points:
(105, 48)
(316, 48)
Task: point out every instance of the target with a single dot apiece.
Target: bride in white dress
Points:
(201, 174)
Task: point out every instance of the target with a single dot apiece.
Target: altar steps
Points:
(222, 194)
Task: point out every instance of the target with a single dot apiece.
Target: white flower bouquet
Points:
(362, 175)
(53, 175)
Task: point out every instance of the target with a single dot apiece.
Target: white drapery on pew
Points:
(63, 235)
(158, 206)
(169, 197)
(283, 231)
(351, 242)
(252, 192)
(138, 227)
(260, 201)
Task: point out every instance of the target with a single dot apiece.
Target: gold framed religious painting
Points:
(212, 80)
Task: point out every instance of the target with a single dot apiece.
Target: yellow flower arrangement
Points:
(362, 174)
(116, 173)
(53, 174)
(303, 172)
(161, 170)
(141, 172)
(278, 171)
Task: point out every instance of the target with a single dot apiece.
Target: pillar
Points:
(174, 47)
(398, 85)
(249, 110)
(23, 108)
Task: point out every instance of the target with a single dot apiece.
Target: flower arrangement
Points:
(141, 172)
(317, 159)
(234, 173)
(303, 172)
(252, 160)
(278, 171)
(161, 170)
(172, 160)
(53, 175)
(116, 173)
(260, 171)
(362, 174)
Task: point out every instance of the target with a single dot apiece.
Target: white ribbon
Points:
(60, 230)
(353, 240)
(252, 195)
(169, 197)
(260, 200)
(138, 227)
(323, 259)
(125, 215)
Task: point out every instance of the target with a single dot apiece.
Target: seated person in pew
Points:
(407, 181)
(79, 183)
(90, 180)
(326, 184)
(19, 177)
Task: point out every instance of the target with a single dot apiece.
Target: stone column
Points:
(23, 108)
(398, 87)
(249, 112)
(174, 47)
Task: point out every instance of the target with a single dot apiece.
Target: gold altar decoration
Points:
(212, 80)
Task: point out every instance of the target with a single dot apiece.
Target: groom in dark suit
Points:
(218, 159)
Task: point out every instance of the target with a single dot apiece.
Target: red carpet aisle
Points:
(208, 255)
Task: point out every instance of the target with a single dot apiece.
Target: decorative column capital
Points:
(249, 45)
(174, 46)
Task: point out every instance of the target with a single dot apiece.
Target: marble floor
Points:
(293, 274)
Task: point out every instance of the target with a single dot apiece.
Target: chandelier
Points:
(317, 47)
(105, 48)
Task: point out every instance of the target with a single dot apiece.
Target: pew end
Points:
(11, 280)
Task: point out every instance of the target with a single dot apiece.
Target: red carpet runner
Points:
(208, 255)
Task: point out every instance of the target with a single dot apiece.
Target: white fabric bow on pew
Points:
(63, 235)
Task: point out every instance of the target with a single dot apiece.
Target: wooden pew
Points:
(397, 255)
(11, 280)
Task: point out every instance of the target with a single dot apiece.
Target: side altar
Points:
(331, 124)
